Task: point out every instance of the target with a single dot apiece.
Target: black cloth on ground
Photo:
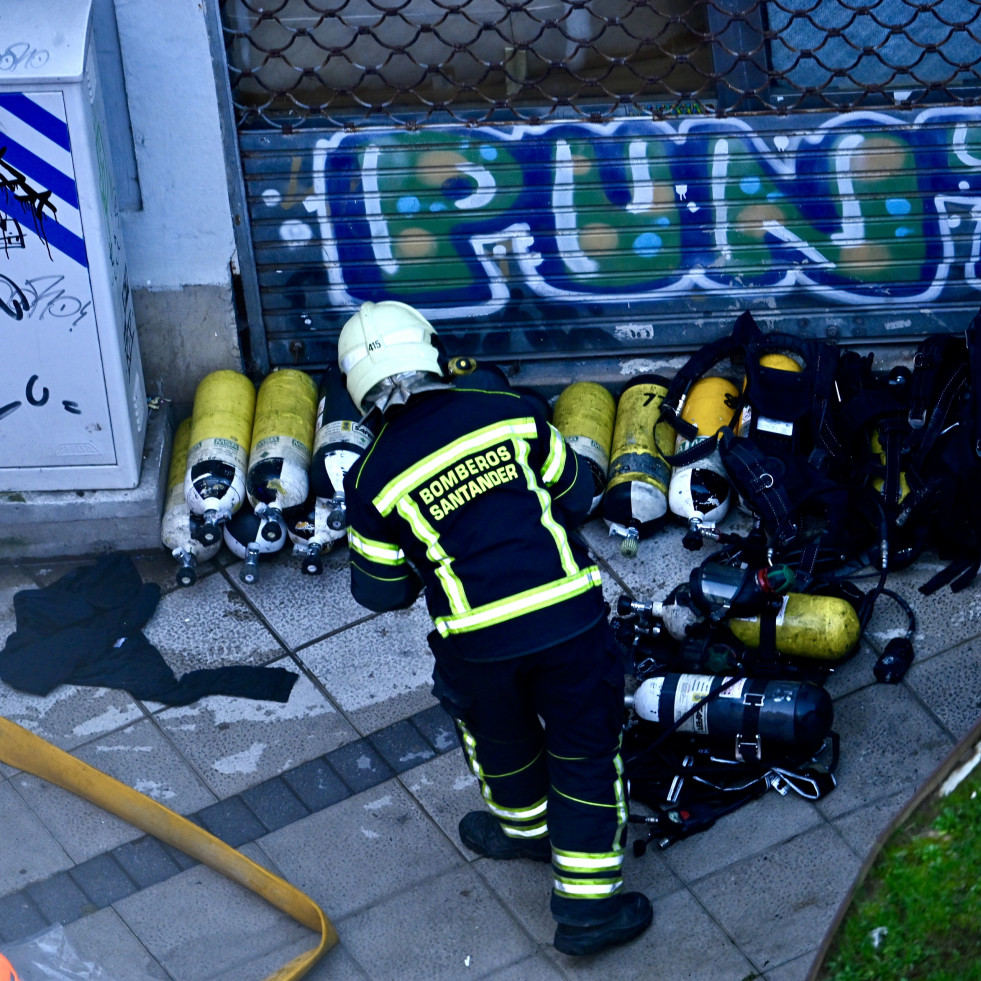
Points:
(86, 629)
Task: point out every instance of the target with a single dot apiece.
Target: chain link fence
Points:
(405, 62)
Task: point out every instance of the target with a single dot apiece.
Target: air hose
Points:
(32, 754)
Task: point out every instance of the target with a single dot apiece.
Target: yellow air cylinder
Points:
(700, 491)
(636, 497)
(221, 431)
(585, 413)
(824, 628)
(282, 446)
(177, 522)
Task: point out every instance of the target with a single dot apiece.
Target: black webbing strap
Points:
(751, 471)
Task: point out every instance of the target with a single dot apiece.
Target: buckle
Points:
(748, 750)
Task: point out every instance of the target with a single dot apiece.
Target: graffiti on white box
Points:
(47, 323)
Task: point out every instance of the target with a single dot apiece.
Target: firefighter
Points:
(468, 493)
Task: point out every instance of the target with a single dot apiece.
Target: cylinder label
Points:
(343, 431)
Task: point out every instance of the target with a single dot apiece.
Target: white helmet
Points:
(381, 340)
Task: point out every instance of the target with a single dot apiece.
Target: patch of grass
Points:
(917, 915)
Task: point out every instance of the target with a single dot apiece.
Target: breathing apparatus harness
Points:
(688, 784)
(784, 446)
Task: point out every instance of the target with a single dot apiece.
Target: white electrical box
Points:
(73, 407)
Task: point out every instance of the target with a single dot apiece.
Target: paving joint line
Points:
(240, 819)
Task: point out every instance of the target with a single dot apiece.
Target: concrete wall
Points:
(179, 238)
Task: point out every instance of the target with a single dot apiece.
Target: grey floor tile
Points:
(950, 683)
(209, 625)
(20, 917)
(103, 880)
(754, 828)
(368, 847)
(778, 905)
(337, 964)
(853, 673)
(889, 743)
(795, 970)
(438, 728)
(161, 567)
(443, 930)
(536, 968)
(105, 940)
(360, 765)
(83, 829)
(944, 618)
(378, 672)
(28, 851)
(59, 898)
(862, 827)
(70, 715)
(139, 757)
(684, 941)
(401, 746)
(200, 926)
(525, 889)
(147, 861)
(316, 784)
(237, 742)
(274, 803)
(231, 821)
(447, 789)
(302, 608)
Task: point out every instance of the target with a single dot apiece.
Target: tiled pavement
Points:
(352, 791)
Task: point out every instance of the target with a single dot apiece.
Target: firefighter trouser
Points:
(563, 779)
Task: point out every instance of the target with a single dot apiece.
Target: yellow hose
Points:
(32, 754)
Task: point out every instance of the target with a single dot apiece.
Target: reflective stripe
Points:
(352, 358)
(587, 862)
(470, 748)
(556, 530)
(587, 888)
(621, 795)
(381, 552)
(442, 561)
(446, 456)
(521, 603)
(520, 813)
(555, 463)
(539, 830)
(523, 820)
(407, 335)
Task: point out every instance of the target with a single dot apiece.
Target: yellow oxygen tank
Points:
(282, 446)
(824, 628)
(700, 492)
(584, 413)
(636, 497)
(221, 431)
(177, 522)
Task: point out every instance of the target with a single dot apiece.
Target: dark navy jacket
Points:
(469, 493)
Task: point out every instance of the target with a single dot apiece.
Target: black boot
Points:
(632, 918)
(482, 833)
